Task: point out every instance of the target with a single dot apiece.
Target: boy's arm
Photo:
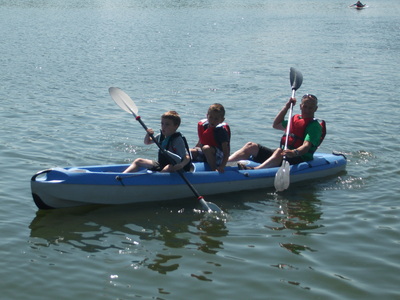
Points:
(178, 166)
(226, 151)
(147, 138)
(181, 157)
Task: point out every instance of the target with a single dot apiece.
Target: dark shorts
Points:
(156, 166)
(219, 155)
(264, 153)
(294, 160)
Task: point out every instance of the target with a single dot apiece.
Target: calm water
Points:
(337, 238)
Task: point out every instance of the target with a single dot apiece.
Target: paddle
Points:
(127, 104)
(282, 177)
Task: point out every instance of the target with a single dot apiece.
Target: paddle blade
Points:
(282, 177)
(213, 207)
(123, 100)
(209, 206)
(296, 78)
(286, 177)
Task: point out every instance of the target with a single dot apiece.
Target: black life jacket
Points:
(163, 157)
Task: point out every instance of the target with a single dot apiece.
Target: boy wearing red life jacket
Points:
(305, 135)
(214, 139)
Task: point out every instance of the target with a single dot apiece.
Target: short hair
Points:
(310, 96)
(218, 108)
(173, 116)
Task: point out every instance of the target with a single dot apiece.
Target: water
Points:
(336, 238)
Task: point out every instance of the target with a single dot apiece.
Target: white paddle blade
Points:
(123, 100)
(214, 208)
(282, 177)
(209, 206)
(286, 178)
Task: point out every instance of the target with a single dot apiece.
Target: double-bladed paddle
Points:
(282, 177)
(127, 104)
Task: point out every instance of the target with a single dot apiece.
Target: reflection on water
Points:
(129, 230)
(140, 231)
(298, 216)
(160, 262)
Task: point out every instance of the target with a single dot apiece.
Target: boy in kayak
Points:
(214, 139)
(305, 135)
(172, 141)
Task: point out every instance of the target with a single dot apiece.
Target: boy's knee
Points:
(208, 149)
(138, 161)
(250, 146)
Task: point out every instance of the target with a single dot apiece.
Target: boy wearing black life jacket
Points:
(170, 140)
(214, 139)
(305, 135)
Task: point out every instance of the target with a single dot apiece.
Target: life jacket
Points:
(163, 158)
(207, 134)
(297, 132)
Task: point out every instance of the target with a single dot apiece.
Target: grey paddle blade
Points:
(296, 78)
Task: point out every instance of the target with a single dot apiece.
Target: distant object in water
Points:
(358, 5)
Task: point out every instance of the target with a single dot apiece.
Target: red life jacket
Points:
(297, 132)
(207, 134)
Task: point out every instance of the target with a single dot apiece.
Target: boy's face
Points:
(168, 127)
(308, 108)
(214, 118)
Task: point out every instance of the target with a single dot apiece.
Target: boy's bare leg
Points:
(249, 149)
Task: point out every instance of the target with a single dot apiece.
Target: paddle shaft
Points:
(296, 79)
(290, 119)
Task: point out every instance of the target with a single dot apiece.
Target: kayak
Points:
(106, 184)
